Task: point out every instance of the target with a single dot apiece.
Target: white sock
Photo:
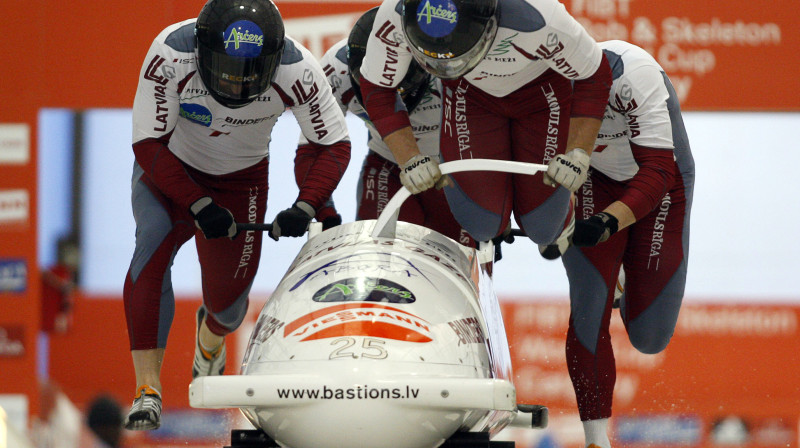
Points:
(596, 432)
(210, 350)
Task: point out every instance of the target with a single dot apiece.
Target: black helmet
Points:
(239, 48)
(411, 88)
(449, 37)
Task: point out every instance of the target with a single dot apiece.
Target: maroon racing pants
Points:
(653, 252)
(529, 125)
(227, 266)
(380, 180)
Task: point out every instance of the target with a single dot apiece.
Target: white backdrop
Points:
(744, 241)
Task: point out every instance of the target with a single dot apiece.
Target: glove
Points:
(595, 230)
(328, 216)
(214, 221)
(505, 237)
(570, 170)
(331, 221)
(419, 173)
(293, 221)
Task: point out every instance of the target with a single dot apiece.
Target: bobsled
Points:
(382, 333)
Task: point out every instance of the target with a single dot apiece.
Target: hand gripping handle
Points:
(387, 221)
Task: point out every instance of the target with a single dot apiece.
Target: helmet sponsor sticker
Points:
(435, 55)
(364, 289)
(437, 18)
(244, 39)
(196, 114)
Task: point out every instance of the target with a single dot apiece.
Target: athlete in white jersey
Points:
(507, 67)
(210, 91)
(634, 211)
(420, 94)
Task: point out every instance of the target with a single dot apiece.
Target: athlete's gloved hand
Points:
(595, 230)
(419, 173)
(331, 221)
(506, 237)
(293, 221)
(570, 170)
(328, 215)
(214, 221)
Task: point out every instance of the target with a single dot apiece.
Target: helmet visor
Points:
(236, 80)
(448, 66)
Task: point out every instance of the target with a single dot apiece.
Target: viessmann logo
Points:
(359, 319)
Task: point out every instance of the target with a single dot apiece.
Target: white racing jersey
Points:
(638, 111)
(425, 118)
(172, 99)
(532, 37)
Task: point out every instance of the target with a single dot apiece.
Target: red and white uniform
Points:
(643, 159)
(380, 174)
(188, 146)
(514, 105)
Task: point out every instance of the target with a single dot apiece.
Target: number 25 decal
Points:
(370, 348)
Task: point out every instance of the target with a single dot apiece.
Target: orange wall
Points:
(731, 55)
(90, 55)
(94, 355)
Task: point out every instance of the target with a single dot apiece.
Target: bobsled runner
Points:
(381, 333)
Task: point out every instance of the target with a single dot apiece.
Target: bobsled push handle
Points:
(387, 221)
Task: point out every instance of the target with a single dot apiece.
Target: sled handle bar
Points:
(387, 221)
(267, 227)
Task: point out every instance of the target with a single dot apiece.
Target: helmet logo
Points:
(437, 18)
(243, 38)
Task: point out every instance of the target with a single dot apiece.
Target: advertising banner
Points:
(720, 56)
(729, 373)
(734, 55)
(19, 288)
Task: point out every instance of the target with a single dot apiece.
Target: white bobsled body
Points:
(379, 335)
(374, 342)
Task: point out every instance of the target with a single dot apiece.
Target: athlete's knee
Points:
(650, 342)
(480, 223)
(544, 223)
(484, 230)
(230, 318)
(651, 331)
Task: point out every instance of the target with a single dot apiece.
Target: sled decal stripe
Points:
(367, 328)
(299, 322)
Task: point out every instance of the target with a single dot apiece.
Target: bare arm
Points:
(403, 144)
(624, 215)
(583, 133)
